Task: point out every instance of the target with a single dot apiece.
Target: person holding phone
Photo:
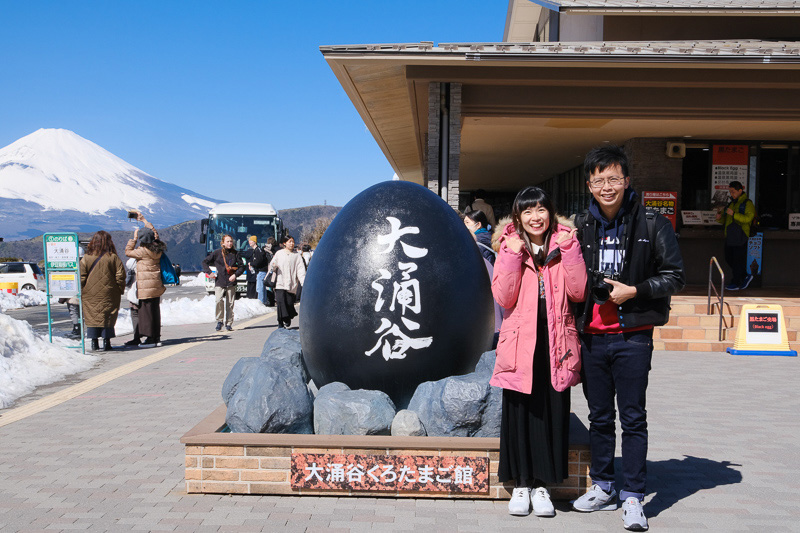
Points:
(538, 273)
(229, 266)
(146, 248)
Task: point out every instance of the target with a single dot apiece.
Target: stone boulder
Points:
(271, 395)
(341, 411)
(237, 373)
(457, 406)
(490, 418)
(407, 424)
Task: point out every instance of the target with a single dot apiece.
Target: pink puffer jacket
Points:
(515, 286)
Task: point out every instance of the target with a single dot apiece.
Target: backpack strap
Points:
(650, 216)
(486, 247)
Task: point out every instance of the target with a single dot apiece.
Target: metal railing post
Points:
(720, 295)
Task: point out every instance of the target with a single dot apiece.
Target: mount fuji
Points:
(55, 180)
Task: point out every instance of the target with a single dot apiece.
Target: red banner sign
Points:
(389, 472)
(664, 202)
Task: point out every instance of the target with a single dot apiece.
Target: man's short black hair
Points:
(736, 185)
(603, 157)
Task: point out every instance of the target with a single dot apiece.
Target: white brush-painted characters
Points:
(393, 341)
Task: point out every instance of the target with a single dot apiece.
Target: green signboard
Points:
(62, 272)
(61, 251)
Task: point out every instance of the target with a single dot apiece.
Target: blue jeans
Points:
(261, 290)
(617, 364)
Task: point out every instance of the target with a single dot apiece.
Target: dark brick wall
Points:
(651, 169)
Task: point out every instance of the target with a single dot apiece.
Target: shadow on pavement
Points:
(221, 336)
(676, 479)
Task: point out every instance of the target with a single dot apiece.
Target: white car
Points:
(26, 275)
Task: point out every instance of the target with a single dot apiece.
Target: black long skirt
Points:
(534, 429)
(284, 302)
(150, 318)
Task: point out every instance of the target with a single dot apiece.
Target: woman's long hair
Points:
(156, 246)
(528, 198)
(100, 244)
(224, 250)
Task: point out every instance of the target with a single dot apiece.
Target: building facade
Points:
(698, 93)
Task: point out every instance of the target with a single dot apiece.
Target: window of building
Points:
(772, 195)
(696, 181)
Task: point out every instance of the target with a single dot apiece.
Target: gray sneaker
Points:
(633, 515)
(596, 499)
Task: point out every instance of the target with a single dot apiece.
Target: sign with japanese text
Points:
(403, 294)
(699, 218)
(763, 326)
(794, 221)
(61, 251)
(762, 322)
(389, 473)
(729, 162)
(63, 283)
(664, 202)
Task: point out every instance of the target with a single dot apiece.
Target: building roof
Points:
(745, 51)
(771, 7)
(531, 110)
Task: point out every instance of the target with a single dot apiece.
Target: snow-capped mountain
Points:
(55, 180)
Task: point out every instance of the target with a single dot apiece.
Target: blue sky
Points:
(186, 91)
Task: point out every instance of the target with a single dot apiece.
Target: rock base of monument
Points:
(219, 462)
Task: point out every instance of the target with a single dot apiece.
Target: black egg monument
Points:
(397, 294)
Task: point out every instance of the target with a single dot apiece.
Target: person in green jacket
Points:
(736, 219)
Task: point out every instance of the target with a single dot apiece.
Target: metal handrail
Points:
(720, 295)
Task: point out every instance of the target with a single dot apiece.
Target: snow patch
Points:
(189, 199)
(188, 311)
(24, 298)
(194, 281)
(28, 360)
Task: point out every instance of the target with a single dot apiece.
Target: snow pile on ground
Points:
(28, 360)
(188, 311)
(24, 298)
(194, 281)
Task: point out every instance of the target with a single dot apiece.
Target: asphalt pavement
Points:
(107, 457)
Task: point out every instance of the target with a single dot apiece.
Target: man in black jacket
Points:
(634, 266)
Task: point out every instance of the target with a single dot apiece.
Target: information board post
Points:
(62, 273)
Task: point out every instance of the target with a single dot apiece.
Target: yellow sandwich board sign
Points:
(761, 331)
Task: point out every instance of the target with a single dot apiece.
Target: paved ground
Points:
(723, 453)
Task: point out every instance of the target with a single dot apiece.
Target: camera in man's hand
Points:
(601, 289)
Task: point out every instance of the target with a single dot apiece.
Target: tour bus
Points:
(239, 220)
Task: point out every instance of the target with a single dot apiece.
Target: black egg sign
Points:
(396, 294)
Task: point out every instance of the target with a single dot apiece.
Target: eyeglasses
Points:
(599, 182)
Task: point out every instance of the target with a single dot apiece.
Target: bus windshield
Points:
(240, 227)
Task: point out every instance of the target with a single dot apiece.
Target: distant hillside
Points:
(183, 240)
(300, 220)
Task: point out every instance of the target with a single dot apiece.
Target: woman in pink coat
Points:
(538, 272)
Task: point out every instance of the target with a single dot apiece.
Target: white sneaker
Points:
(633, 515)
(542, 506)
(520, 502)
(596, 499)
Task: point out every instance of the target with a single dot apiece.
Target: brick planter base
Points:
(260, 463)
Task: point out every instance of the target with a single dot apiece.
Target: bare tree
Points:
(312, 237)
